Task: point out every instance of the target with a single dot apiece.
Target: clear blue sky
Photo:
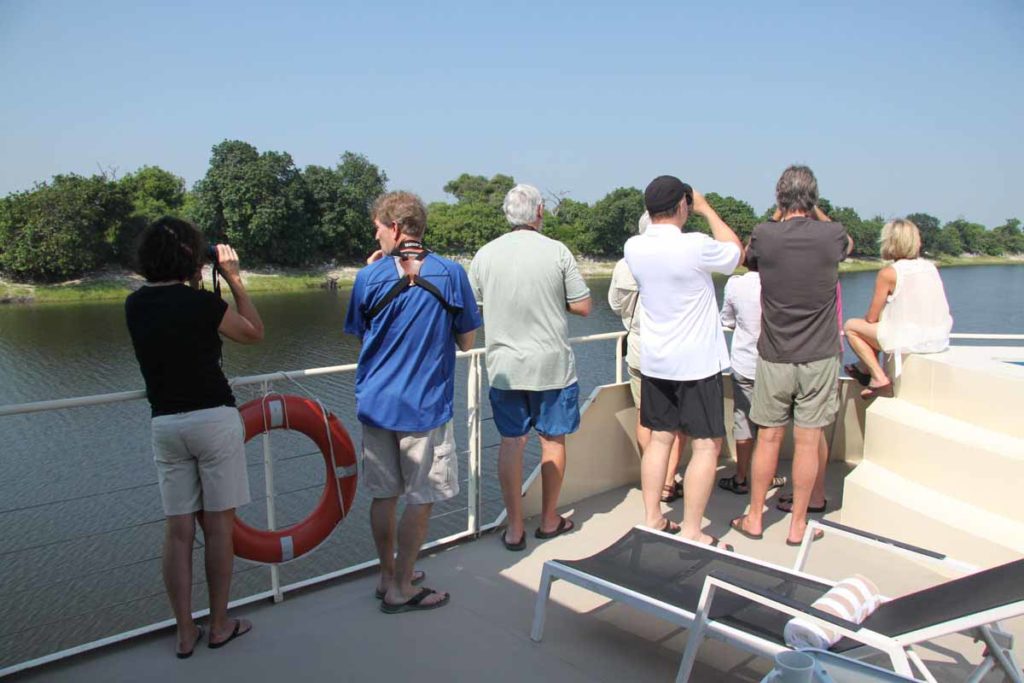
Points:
(898, 106)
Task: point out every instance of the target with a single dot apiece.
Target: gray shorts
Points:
(422, 466)
(742, 393)
(634, 385)
(200, 460)
(807, 393)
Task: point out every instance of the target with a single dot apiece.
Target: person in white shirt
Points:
(908, 313)
(683, 351)
(624, 300)
(741, 312)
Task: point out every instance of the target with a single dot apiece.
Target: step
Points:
(877, 500)
(971, 463)
(973, 384)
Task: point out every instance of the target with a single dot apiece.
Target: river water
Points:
(80, 517)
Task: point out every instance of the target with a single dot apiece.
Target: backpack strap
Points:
(402, 285)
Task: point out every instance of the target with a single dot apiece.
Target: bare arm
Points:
(885, 283)
(465, 340)
(245, 325)
(581, 307)
(719, 230)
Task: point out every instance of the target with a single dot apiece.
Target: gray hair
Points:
(643, 223)
(521, 204)
(797, 190)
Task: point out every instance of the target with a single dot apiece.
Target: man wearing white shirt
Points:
(683, 350)
(741, 312)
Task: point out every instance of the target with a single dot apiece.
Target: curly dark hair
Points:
(170, 249)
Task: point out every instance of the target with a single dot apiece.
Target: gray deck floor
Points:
(336, 632)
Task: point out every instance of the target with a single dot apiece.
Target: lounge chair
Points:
(747, 602)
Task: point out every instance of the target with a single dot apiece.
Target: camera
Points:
(211, 255)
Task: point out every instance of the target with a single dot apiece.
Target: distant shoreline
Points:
(110, 285)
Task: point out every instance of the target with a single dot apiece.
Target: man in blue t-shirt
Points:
(410, 308)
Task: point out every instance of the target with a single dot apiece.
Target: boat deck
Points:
(336, 631)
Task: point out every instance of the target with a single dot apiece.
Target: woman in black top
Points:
(198, 438)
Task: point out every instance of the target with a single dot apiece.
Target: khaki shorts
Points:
(742, 393)
(634, 386)
(200, 460)
(422, 466)
(807, 393)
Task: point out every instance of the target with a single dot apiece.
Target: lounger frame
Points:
(983, 625)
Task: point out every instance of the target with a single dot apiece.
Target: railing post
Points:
(268, 478)
(618, 360)
(473, 388)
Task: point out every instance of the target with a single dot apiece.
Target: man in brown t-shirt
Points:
(799, 348)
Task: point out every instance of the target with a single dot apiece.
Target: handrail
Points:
(100, 399)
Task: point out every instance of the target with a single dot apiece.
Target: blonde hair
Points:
(900, 239)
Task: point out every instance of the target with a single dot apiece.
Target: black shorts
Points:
(694, 407)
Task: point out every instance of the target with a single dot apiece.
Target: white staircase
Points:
(943, 463)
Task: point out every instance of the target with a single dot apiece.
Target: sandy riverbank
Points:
(116, 284)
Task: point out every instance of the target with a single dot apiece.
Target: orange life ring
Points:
(283, 411)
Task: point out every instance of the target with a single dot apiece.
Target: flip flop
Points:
(415, 603)
(739, 527)
(786, 504)
(564, 527)
(863, 378)
(675, 492)
(884, 390)
(418, 577)
(817, 537)
(514, 547)
(730, 484)
(717, 543)
(236, 633)
(669, 527)
(199, 636)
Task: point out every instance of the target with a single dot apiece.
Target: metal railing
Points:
(276, 591)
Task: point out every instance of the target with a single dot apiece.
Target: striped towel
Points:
(852, 599)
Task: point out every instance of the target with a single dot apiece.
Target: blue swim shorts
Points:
(552, 413)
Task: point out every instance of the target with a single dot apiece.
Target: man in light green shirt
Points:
(526, 283)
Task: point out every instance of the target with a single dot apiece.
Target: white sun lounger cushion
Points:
(853, 599)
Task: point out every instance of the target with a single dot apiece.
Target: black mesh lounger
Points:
(747, 602)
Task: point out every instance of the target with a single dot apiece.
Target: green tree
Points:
(61, 230)
(569, 224)
(153, 192)
(991, 244)
(341, 201)
(929, 227)
(477, 188)
(864, 233)
(464, 227)
(949, 241)
(257, 202)
(1010, 236)
(612, 221)
(972, 235)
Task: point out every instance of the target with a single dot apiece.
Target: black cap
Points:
(665, 192)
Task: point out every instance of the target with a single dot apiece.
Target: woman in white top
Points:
(908, 313)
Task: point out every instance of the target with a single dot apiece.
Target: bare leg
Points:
(818, 492)
(510, 474)
(744, 452)
(412, 532)
(384, 527)
(863, 339)
(675, 454)
(652, 475)
(766, 460)
(805, 470)
(697, 485)
(177, 570)
(220, 558)
(643, 434)
(552, 471)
